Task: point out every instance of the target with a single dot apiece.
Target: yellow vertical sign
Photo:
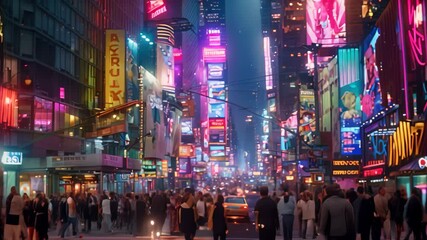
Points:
(114, 67)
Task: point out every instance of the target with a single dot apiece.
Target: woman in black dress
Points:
(219, 222)
(187, 217)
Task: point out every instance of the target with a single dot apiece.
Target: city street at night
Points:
(224, 119)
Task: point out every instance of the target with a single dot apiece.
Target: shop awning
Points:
(411, 166)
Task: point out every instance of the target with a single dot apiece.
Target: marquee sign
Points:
(345, 168)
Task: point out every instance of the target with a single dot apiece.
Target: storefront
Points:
(92, 172)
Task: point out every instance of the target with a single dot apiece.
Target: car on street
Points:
(236, 207)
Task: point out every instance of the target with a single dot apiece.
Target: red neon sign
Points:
(218, 123)
(373, 172)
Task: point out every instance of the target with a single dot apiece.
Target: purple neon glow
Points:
(402, 44)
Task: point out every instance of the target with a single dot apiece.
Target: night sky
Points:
(245, 66)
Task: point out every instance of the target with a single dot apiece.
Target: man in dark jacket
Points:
(337, 218)
(365, 215)
(414, 214)
(266, 216)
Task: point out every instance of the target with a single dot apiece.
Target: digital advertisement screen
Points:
(214, 54)
(155, 8)
(184, 165)
(272, 105)
(186, 151)
(187, 127)
(214, 37)
(217, 89)
(216, 135)
(217, 123)
(216, 110)
(307, 120)
(215, 71)
(165, 63)
(371, 100)
(217, 151)
(326, 22)
(351, 118)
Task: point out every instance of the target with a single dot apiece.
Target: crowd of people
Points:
(343, 215)
(140, 215)
(332, 212)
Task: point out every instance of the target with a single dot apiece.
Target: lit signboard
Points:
(12, 158)
(350, 103)
(326, 22)
(217, 54)
(422, 162)
(371, 97)
(187, 126)
(348, 168)
(217, 123)
(217, 153)
(216, 110)
(267, 63)
(215, 70)
(272, 105)
(307, 125)
(373, 172)
(114, 67)
(155, 8)
(184, 165)
(217, 136)
(216, 90)
(186, 151)
(416, 32)
(214, 37)
(165, 62)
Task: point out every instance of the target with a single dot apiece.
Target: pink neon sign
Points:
(415, 33)
(214, 54)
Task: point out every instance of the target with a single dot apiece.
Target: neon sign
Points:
(214, 54)
(373, 172)
(415, 34)
(405, 142)
(422, 162)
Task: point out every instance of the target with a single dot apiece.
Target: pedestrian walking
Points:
(308, 214)
(381, 215)
(91, 212)
(14, 228)
(141, 217)
(201, 210)
(41, 208)
(365, 214)
(414, 214)
(286, 211)
(396, 204)
(71, 213)
(114, 208)
(187, 216)
(106, 215)
(266, 216)
(217, 221)
(29, 215)
(337, 219)
(158, 210)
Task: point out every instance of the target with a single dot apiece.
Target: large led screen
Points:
(326, 22)
(165, 63)
(187, 127)
(217, 136)
(217, 152)
(217, 90)
(349, 101)
(216, 110)
(215, 71)
(371, 99)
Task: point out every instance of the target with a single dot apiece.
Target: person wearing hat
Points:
(337, 217)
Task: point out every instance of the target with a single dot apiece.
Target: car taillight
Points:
(225, 205)
(244, 207)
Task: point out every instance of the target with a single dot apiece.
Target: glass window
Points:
(24, 112)
(43, 115)
(26, 43)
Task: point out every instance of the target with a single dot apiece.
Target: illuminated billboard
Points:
(217, 90)
(350, 103)
(215, 71)
(114, 67)
(165, 62)
(184, 165)
(186, 126)
(155, 8)
(214, 37)
(307, 120)
(214, 54)
(217, 130)
(216, 110)
(267, 64)
(326, 22)
(271, 105)
(186, 151)
(217, 153)
(371, 99)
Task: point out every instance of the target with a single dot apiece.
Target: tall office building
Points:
(53, 84)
